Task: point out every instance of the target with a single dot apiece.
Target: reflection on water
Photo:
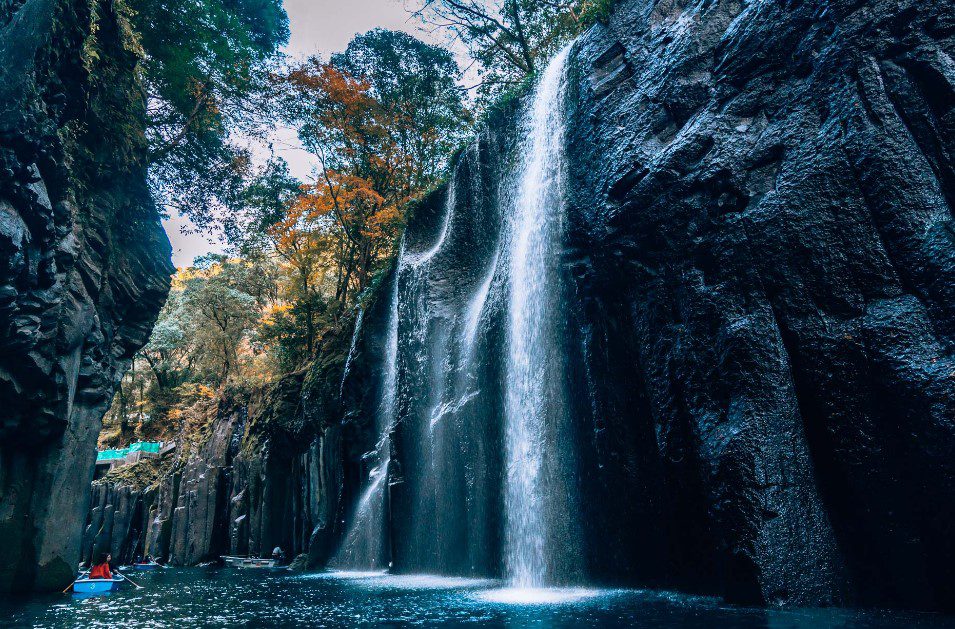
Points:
(216, 597)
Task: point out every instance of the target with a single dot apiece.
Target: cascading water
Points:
(351, 351)
(365, 544)
(476, 306)
(535, 406)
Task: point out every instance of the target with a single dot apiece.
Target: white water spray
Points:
(351, 351)
(364, 545)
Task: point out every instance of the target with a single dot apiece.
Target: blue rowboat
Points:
(151, 565)
(97, 586)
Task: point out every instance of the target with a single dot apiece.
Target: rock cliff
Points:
(762, 250)
(758, 289)
(265, 469)
(84, 267)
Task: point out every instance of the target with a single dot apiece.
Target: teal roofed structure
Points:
(116, 454)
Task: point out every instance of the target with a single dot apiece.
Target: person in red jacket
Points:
(101, 569)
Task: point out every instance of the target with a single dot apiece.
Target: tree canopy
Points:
(205, 68)
(381, 119)
(510, 39)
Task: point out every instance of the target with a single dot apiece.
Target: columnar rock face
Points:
(84, 268)
(119, 519)
(759, 304)
(267, 470)
(762, 245)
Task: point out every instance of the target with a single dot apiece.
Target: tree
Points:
(206, 336)
(416, 84)
(510, 39)
(205, 68)
(168, 345)
(223, 299)
(381, 118)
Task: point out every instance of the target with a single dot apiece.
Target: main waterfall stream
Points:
(463, 453)
(536, 411)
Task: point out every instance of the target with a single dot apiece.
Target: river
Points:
(211, 597)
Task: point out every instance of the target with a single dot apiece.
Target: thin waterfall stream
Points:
(365, 544)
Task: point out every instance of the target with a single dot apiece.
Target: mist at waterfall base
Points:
(192, 597)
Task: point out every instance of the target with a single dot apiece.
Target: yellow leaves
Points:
(339, 228)
(197, 391)
(185, 274)
(272, 313)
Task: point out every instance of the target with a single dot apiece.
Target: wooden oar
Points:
(75, 580)
(138, 586)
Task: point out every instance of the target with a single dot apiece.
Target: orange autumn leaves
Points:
(354, 209)
(381, 120)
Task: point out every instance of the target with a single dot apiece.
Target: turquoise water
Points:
(197, 597)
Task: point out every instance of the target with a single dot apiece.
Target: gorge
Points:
(681, 317)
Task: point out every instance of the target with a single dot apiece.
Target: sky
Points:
(317, 27)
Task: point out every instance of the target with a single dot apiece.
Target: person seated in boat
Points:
(278, 554)
(101, 569)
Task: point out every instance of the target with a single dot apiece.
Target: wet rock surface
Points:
(266, 471)
(761, 244)
(84, 269)
(759, 280)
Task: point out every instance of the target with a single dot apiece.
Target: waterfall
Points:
(534, 396)
(475, 310)
(351, 351)
(466, 321)
(365, 544)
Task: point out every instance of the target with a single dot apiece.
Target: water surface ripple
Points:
(197, 597)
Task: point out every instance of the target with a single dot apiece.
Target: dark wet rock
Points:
(761, 245)
(265, 473)
(84, 269)
(299, 564)
(760, 284)
(118, 522)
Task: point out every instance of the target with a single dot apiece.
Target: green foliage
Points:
(594, 11)
(509, 39)
(140, 475)
(381, 118)
(417, 82)
(263, 202)
(205, 67)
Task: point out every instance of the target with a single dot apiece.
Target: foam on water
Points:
(426, 582)
(538, 596)
(193, 597)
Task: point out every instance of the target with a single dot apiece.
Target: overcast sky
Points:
(318, 27)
